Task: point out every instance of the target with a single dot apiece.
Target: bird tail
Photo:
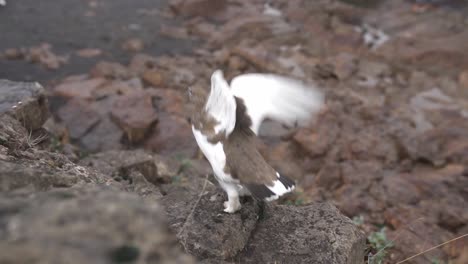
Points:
(278, 188)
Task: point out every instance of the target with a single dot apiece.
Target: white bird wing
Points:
(221, 104)
(276, 97)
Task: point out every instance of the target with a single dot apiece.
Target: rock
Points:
(190, 8)
(26, 102)
(116, 162)
(36, 169)
(79, 89)
(154, 78)
(463, 80)
(93, 224)
(103, 136)
(345, 65)
(172, 136)
(14, 54)
(316, 233)
(169, 101)
(133, 45)
(134, 114)
(229, 234)
(43, 54)
(373, 69)
(141, 63)
(40, 173)
(316, 141)
(173, 32)
(118, 87)
(111, 70)
(449, 143)
(12, 134)
(79, 117)
(203, 29)
(258, 27)
(89, 53)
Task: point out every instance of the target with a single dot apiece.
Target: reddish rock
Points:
(330, 177)
(154, 78)
(169, 101)
(463, 81)
(190, 8)
(79, 117)
(252, 27)
(43, 54)
(89, 53)
(172, 136)
(345, 65)
(83, 89)
(173, 32)
(317, 140)
(134, 114)
(133, 45)
(141, 63)
(118, 88)
(203, 29)
(13, 54)
(112, 70)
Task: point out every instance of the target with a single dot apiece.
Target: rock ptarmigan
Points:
(226, 121)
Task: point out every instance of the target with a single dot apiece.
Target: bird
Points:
(226, 121)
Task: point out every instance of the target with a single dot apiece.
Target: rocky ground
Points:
(390, 151)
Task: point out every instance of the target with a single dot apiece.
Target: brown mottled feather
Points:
(243, 160)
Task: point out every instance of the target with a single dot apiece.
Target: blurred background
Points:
(391, 151)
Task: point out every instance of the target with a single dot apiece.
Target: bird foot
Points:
(231, 206)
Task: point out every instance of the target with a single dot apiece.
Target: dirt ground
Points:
(390, 151)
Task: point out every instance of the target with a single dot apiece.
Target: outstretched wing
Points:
(221, 104)
(279, 98)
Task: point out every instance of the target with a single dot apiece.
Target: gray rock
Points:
(25, 101)
(38, 175)
(92, 224)
(203, 228)
(119, 162)
(316, 233)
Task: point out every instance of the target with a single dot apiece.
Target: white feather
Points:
(278, 189)
(221, 104)
(2, 2)
(214, 153)
(279, 98)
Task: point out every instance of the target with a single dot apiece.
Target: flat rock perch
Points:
(317, 233)
(269, 233)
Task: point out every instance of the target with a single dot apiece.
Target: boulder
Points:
(202, 227)
(110, 70)
(82, 89)
(134, 114)
(91, 224)
(258, 233)
(118, 162)
(79, 116)
(25, 101)
(316, 233)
